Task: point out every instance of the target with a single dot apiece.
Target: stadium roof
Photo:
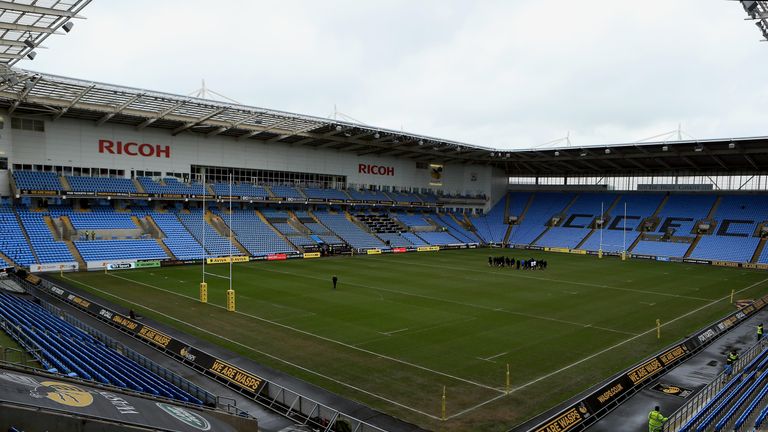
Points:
(25, 24)
(50, 96)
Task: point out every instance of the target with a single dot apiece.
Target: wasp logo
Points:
(187, 354)
(63, 393)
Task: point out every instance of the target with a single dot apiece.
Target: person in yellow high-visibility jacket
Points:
(655, 420)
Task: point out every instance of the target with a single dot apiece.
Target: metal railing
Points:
(703, 396)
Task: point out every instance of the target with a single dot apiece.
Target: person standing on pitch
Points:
(655, 420)
(334, 279)
(759, 332)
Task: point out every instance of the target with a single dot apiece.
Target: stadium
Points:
(178, 263)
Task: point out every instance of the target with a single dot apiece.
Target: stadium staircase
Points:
(65, 186)
(221, 227)
(7, 260)
(661, 205)
(138, 186)
(57, 235)
(75, 253)
(694, 243)
(360, 224)
(758, 251)
(26, 236)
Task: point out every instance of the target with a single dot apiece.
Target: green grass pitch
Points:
(401, 327)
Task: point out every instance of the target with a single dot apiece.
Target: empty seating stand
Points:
(109, 250)
(545, 205)
(48, 250)
(178, 240)
(256, 236)
(13, 244)
(101, 184)
(627, 215)
(734, 237)
(492, 227)
(65, 349)
(348, 231)
(326, 194)
(37, 180)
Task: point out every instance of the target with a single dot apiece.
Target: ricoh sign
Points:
(131, 148)
(376, 169)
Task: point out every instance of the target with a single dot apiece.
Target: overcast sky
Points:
(507, 73)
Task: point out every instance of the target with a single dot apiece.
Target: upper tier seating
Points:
(106, 250)
(12, 241)
(172, 186)
(321, 193)
(544, 206)
(254, 234)
(427, 198)
(101, 184)
(240, 189)
(348, 231)
(178, 240)
(286, 192)
(37, 180)
(366, 195)
(689, 208)
(69, 350)
(214, 243)
(47, 249)
(404, 197)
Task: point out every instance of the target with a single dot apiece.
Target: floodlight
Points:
(557, 153)
(68, 26)
(583, 154)
(421, 142)
(607, 151)
(29, 43)
(376, 135)
(338, 127)
(699, 148)
(731, 145)
(664, 148)
(31, 55)
(493, 154)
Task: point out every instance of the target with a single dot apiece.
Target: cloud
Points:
(495, 73)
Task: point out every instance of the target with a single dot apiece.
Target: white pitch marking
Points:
(495, 356)
(321, 337)
(264, 353)
(649, 304)
(390, 333)
(571, 292)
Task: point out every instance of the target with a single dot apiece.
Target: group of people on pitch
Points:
(656, 419)
(529, 264)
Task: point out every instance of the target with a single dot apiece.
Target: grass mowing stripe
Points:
(285, 326)
(516, 274)
(258, 351)
(472, 305)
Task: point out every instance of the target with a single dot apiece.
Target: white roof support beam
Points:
(25, 28)
(184, 127)
(162, 114)
(35, 9)
(28, 86)
(223, 129)
(266, 129)
(118, 110)
(73, 102)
